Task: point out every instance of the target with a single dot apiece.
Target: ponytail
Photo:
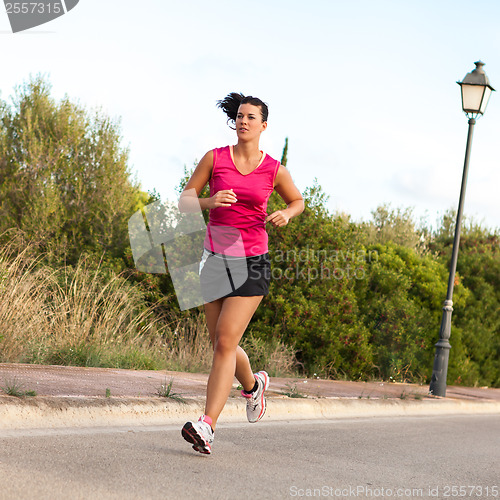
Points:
(231, 103)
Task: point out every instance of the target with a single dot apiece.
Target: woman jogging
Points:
(235, 269)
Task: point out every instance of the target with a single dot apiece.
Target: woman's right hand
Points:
(223, 198)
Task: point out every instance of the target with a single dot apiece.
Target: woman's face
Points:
(249, 122)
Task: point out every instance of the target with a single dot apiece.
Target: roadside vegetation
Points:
(351, 300)
(14, 387)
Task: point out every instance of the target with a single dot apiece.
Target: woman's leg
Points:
(243, 370)
(234, 316)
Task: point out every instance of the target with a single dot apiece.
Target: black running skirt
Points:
(224, 276)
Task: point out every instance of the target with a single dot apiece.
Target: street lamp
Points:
(476, 91)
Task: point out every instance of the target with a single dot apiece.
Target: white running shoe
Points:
(256, 402)
(199, 434)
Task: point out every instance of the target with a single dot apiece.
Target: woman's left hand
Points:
(278, 218)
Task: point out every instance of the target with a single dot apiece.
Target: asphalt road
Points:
(403, 457)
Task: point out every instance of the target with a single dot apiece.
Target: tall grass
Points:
(23, 311)
(189, 348)
(276, 358)
(74, 316)
(87, 315)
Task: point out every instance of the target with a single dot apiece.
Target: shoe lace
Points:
(253, 402)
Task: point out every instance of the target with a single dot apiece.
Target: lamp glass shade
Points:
(486, 98)
(472, 98)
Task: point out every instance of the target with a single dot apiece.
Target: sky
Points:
(364, 90)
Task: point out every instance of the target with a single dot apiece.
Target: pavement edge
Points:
(60, 412)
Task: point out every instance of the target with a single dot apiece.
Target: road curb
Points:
(61, 412)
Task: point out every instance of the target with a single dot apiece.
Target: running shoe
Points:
(256, 402)
(199, 434)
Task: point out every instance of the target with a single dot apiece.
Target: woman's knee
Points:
(225, 344)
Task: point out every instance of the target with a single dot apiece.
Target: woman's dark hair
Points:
(233, 101)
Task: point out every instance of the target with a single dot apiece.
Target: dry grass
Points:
(188, 348)
(23, 310)
(73, 316)
(271, 355)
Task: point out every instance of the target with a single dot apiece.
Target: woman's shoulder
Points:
(221, 149)
(270, 158)
(271, 163)
(212, 154)
(220, 152)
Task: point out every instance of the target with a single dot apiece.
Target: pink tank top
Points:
(239, 230)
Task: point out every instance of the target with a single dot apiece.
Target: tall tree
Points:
(64, 179)
(284, 158)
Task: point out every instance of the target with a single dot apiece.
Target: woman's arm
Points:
(189, 201)
(290, 195)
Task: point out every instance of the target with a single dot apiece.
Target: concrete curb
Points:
(65, 412)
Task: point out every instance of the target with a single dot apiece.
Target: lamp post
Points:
(476, 91)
